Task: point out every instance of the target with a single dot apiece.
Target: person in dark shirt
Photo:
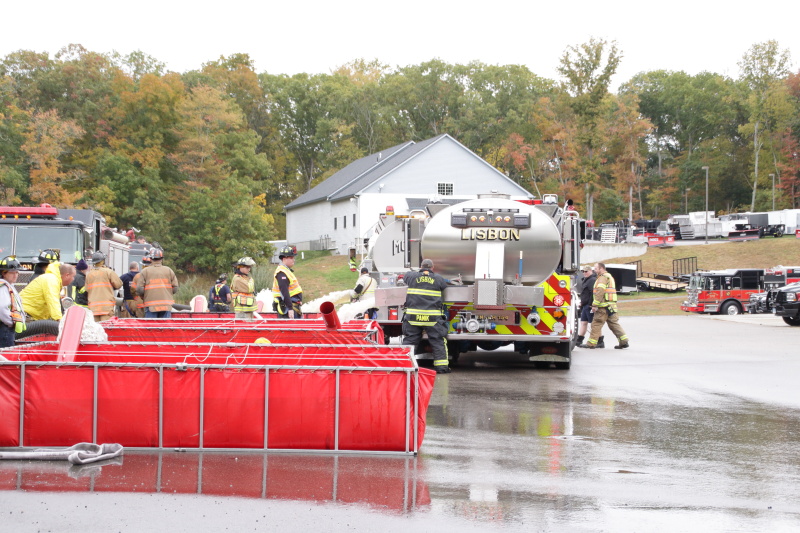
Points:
(219, 297)
(129, 303)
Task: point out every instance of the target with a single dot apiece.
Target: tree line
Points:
(204, 161)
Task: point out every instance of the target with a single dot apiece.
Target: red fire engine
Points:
(722, 291)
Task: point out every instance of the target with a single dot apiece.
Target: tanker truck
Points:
(517, 262)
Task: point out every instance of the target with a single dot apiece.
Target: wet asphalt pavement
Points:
(694, 428)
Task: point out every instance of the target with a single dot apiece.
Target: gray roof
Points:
(360, 173)
(421, 203)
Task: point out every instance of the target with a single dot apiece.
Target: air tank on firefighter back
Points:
(493, 238)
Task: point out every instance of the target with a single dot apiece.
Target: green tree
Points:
(587, 70)
(220, 225)
(763, 67)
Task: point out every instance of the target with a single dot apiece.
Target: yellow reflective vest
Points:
(605, 291)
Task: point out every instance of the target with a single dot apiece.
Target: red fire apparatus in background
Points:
(728, 291)
(722, 291)
(74, 233)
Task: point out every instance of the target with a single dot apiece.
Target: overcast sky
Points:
(317, 36)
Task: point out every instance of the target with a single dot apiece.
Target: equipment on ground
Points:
(517, 261)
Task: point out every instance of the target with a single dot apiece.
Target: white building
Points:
(341, 212)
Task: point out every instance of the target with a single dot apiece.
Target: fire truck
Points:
(74, 233)
(723, 291)
(516, 261)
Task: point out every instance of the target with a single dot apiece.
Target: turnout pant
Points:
(437, 334)
(601, 316)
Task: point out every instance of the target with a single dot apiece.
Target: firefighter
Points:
(77, 289)
(101, 284)
(243, 289)
(157, 283)
(604, 305)
(220, 295)
(286, 290)
(587, 315)
(12, 314)
(128, 300)
(42, 296)
(424, 313)
(365, 286)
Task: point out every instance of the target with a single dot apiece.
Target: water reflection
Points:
(531, 447)
(388, 483)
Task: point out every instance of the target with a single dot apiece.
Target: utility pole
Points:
(706, 169)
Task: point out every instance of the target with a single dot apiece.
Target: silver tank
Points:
(456, 250)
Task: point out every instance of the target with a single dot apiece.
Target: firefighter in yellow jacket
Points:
(42, 296)
(604, 306)
(243, 289)
(286, 290)
(156, 285)
(101, 284)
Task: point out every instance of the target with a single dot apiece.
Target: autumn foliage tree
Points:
(204, 161)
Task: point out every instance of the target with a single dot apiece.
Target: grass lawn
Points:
(763, 253)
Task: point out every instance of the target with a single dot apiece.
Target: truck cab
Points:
(74, 233)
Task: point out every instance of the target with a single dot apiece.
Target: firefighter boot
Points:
(600, 343)
(580, 340)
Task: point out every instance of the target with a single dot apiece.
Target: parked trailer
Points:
(661, 282)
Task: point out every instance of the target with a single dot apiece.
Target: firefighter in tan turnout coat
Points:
(101, 283)
(604, 306)
(156, 284)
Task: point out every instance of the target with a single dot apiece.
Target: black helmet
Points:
(48, 256)
(98, 257)
(9, 264)
(287, 251)
(223, 276)
(156, 254)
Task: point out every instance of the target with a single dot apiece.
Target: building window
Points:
(344, 221)
(444, 189)
(354, 220)
(335, 221)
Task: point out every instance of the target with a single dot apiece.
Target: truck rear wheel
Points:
(792, 320)
(731, 308)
